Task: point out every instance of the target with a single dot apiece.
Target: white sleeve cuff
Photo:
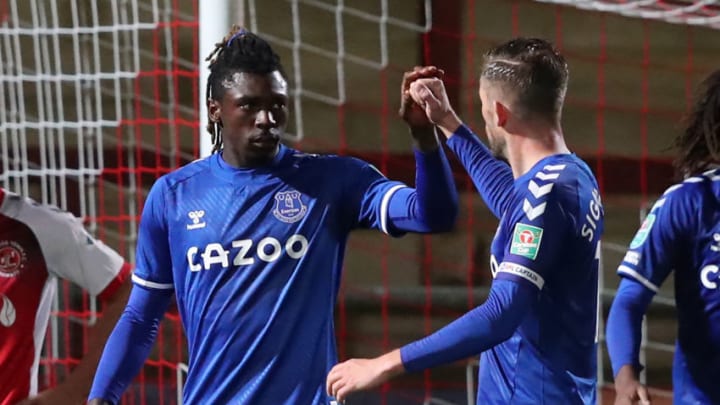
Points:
(385, 206)
(637, 277)
(151, 284)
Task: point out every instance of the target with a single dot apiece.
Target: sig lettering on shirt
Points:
(592, 218)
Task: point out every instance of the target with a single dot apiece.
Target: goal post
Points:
(215, 17)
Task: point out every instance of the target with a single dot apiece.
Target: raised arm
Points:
(373, 201)
(432, 206)
(492, 177)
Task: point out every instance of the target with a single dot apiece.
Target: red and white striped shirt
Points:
(38, 244)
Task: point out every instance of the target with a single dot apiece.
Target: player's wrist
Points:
(627, 374)
(391, 364)
(424, 138)
(449, 123)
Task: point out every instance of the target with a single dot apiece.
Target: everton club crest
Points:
(289, 207)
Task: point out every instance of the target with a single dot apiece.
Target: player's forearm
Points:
(492, 177)
(436, 192)
(626, 374)
(449, 124)
(391, 364)
(129, 343)
(79, 381)
(433, 205)
(624, 324)
(424, 139)
(478, 330)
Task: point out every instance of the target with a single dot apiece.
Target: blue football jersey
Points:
(682, 233)
(255, 258)
(548, 236)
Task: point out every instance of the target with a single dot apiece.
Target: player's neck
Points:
(525, 151)
(242, 161)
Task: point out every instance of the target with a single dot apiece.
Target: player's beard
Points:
(497, 144)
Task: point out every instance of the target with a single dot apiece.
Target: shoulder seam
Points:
(172, 183)
(710, 175)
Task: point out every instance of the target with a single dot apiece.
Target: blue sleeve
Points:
(395, 208)
(624, 324)
(433, 205)
(652, 252)
(129, 343)
(538, 233)
(478, 330)
(493, 178)
(153, 268)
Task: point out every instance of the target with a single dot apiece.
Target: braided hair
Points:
(698, 147)
(239, 51)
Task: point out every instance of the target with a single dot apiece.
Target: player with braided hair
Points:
(251, 242)
(681, 233)
(225, 60)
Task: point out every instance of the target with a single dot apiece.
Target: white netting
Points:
(67, 80)
(91, 111)
(375, 15)
(694, 12)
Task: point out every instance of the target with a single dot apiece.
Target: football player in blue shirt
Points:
(251, 242)
(537, 329)
(681, 233)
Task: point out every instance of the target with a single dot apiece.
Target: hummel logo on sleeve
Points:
(542, 175)
(547, 176)
(531, 211)
(539, 191)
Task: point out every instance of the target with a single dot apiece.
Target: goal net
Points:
(99, 98)
(703, 13)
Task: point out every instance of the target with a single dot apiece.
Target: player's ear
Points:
(501, 114)
(214, 110)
